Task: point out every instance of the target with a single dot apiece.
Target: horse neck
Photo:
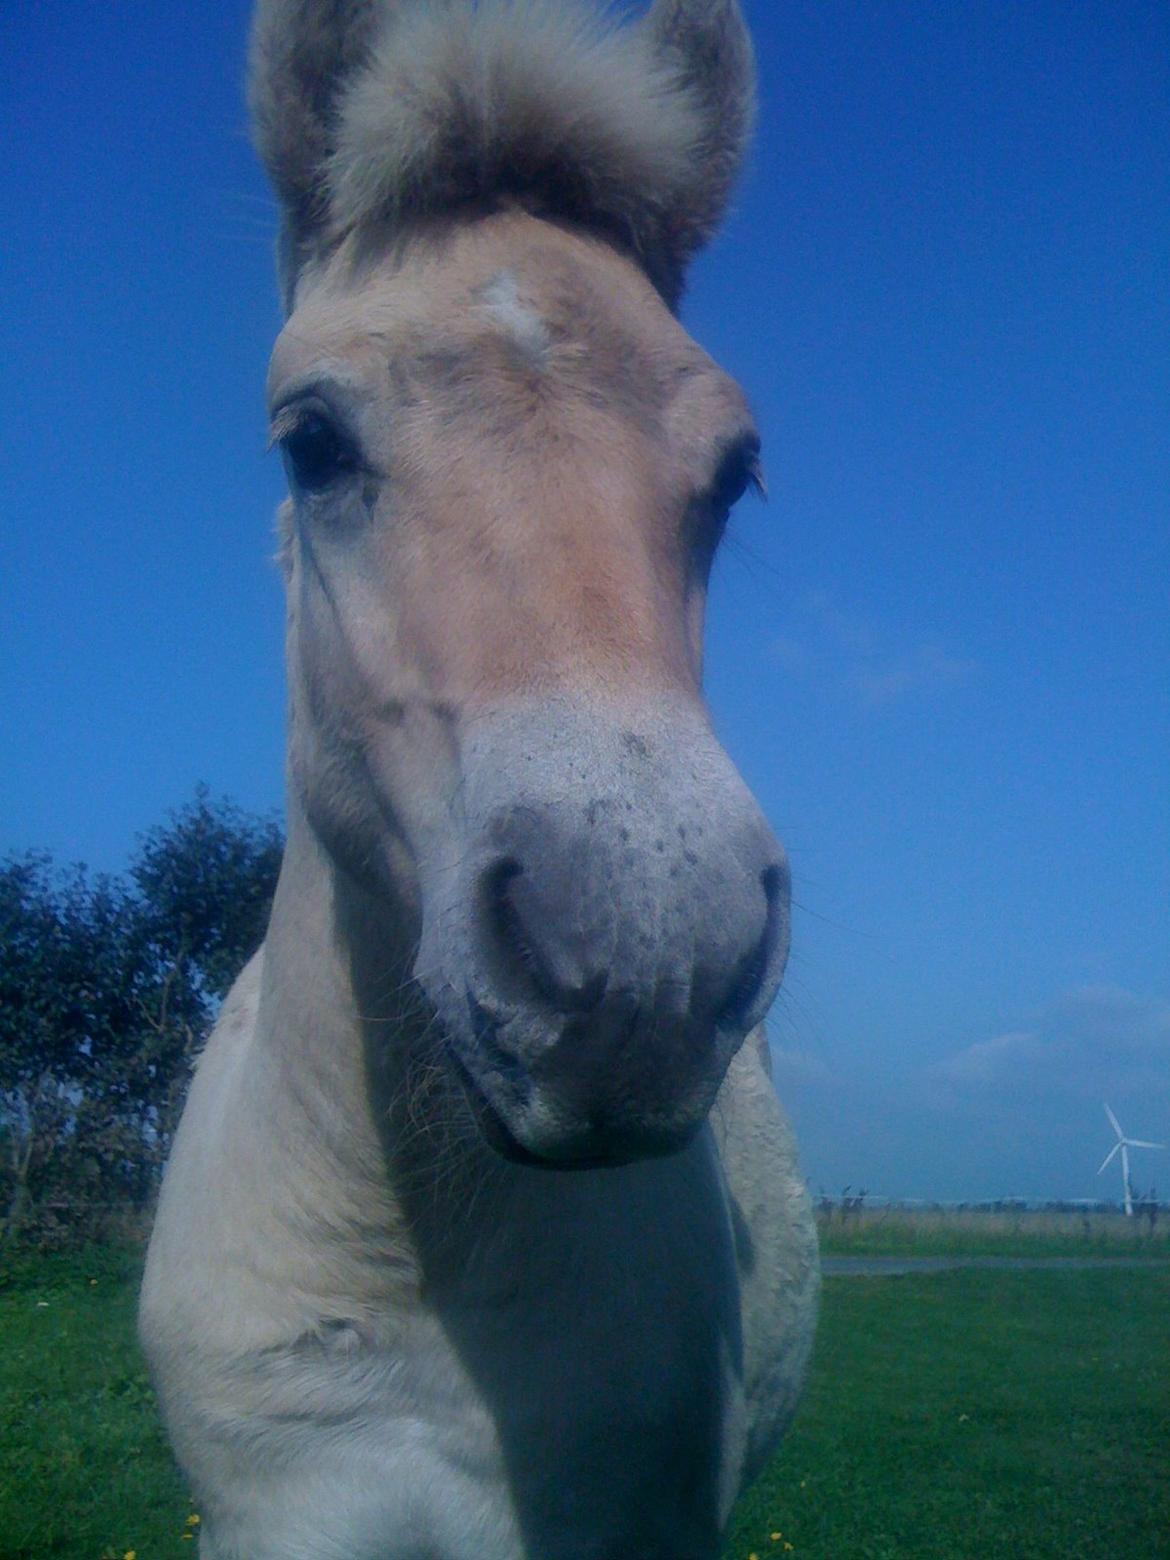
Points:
(351, 1051)
(312, 1031)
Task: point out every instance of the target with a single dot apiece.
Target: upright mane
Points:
(381, 112)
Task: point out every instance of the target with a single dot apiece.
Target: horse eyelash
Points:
(743, 461)
(285, 422)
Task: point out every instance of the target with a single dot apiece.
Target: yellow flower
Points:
(193, 1519)
(187, 1536)
(775, 1537)
(131, 1554)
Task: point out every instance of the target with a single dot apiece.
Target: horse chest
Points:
(574, 1400)
(596, 1320)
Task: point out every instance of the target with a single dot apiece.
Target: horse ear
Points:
(303, 52)
(707, 45)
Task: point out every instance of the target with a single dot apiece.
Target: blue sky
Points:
(940, 653)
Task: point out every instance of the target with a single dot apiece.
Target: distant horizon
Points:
(991, 1204)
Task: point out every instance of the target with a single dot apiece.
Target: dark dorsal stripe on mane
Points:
(383, 113)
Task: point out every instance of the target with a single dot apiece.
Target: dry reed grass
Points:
(851, 1226)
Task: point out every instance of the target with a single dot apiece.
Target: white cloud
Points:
(792, 1066)
(987, 1060)
(1016, 1114)
(927, 668)
(827, 643)
(1092, 1042)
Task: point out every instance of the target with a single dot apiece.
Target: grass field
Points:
(960, 1414)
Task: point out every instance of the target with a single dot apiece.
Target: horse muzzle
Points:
(611, 922)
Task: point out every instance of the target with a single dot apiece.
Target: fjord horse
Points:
(483, 1236)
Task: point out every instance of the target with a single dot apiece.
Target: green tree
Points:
(206, 880)
(71, 983)
(108, 986)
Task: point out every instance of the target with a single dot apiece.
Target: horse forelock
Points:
(422, 107)
(537, 101)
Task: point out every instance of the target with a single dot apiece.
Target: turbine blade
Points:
(1116, 1149)
(1141, 1143)
(1114, 1123)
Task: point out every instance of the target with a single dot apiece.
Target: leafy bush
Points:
(108, 987)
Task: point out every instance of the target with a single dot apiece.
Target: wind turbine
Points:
(1122, 1147)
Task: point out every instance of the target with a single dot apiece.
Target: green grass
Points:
(961, 1414)
(84, 1470)
(978, 1413)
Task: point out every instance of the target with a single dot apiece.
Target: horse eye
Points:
(739, 471)
(314, 453)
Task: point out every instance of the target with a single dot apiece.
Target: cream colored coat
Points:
(482, 1236)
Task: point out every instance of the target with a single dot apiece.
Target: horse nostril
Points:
(775, 881)
(520, 947)
(753, 968)
(505, 925)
